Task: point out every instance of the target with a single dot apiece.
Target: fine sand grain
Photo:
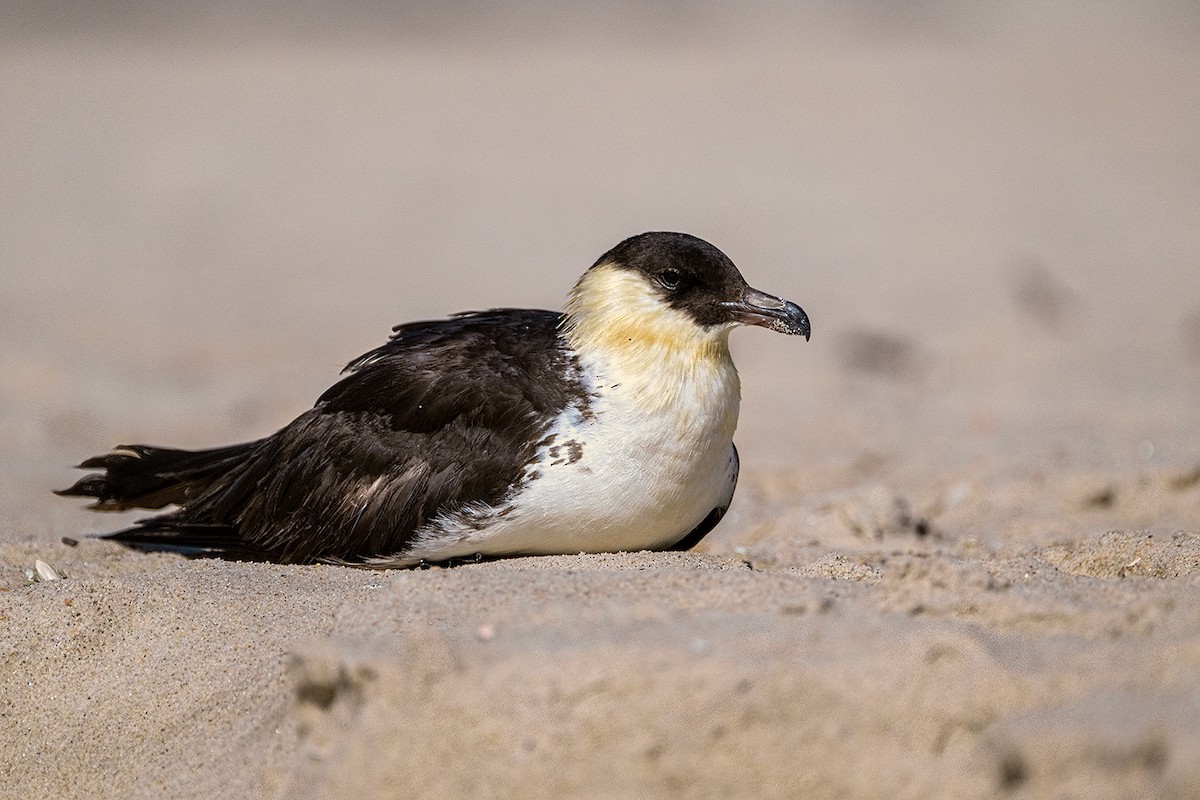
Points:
(964, 557)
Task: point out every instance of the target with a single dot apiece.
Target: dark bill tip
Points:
(768, 311)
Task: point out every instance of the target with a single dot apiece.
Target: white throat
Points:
(655, 355)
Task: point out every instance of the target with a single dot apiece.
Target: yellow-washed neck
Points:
(659, 353)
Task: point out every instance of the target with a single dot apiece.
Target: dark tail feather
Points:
(167, 534)
(139, 476)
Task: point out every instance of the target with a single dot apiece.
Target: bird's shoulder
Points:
(487, 365)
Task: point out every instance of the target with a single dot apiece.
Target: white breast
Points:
(619, 477)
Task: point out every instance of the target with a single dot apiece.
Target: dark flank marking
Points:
(445, 414)
(700, 531)
(714, 517)
(574, 452)
(458, 561)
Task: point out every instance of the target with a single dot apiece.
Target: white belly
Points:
(639, 469)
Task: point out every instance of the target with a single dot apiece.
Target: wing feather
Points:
(444, 415)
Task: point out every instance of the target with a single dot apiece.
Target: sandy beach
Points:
(963, 560)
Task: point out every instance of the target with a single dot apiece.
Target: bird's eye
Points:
(670, 278)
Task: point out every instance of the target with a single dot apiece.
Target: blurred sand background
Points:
(964, 557)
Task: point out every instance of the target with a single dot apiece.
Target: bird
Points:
(606, 427)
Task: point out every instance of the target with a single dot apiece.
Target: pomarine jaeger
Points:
(607, 427)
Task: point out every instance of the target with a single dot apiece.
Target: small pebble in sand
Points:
(486, 632)
(42, 572)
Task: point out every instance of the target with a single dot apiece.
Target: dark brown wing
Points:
(445, 414)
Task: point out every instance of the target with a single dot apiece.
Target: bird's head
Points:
(671, 290)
